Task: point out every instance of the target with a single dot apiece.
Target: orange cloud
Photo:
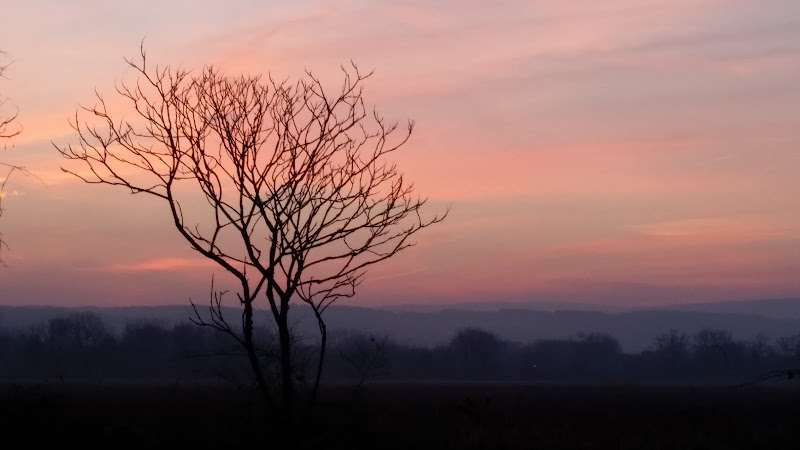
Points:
(718, 230)
(159, 265)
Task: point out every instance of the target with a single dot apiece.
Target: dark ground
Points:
(487, 416)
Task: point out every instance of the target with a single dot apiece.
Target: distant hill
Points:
(634, 329)
(778, 308)
(499, 305)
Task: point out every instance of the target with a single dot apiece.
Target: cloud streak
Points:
(639, 148)
(158, 265)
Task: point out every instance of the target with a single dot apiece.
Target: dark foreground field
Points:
(410, 417)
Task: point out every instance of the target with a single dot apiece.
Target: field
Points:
(410, 417)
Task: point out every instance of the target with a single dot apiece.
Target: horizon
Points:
(532, 305)
(619, 155)
(635, 329)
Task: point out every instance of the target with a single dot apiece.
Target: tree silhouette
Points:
(7, 131)
(476, 352)
(285, 185)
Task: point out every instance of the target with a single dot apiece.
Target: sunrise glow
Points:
(621, 152)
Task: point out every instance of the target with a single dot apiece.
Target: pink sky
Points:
(633, 152)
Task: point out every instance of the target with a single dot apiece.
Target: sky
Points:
(626, 152)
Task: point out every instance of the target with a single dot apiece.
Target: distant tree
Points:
(778, 362)
(709, 342)
(717, 354)
(477, 353)
(78, 331)
(144, 349)
(364, 355)
(673, 346)
(669, 355)
(597, 355)
(789, 347)
(6, 352)
(77, 345)
(760, 348)
(598, 344)
(286, 186)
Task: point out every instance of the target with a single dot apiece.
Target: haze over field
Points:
(618, 153)
(636, 329)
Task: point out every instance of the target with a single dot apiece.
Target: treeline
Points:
(81, 348)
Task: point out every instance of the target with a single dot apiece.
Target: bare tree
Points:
(8, 129)
(285, 185)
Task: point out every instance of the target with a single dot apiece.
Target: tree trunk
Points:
(252, 356)
(287, 384)
(323, 331)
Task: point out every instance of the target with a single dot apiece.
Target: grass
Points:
(410, 416)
